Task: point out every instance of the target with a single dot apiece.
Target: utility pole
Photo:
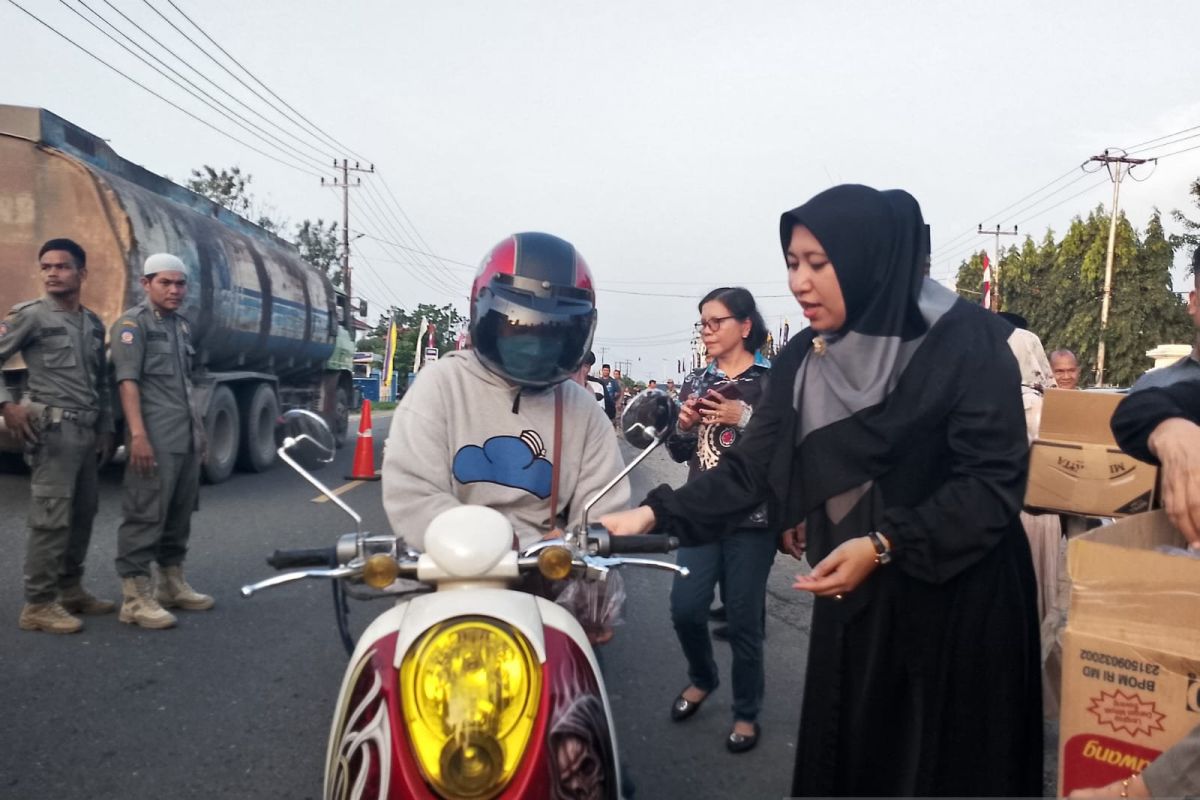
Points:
(603, 353)
(996, 269)
(1123, 163)
(344, 185)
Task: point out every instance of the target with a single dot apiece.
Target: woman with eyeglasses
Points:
(893, 431)
(716, 404)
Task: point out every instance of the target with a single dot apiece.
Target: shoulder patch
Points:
(126, 336)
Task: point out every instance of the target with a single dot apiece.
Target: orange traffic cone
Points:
(364, 451)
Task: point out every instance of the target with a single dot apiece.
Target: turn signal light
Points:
(380, 571)
(555, 563)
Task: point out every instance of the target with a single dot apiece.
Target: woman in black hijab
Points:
(893, 444)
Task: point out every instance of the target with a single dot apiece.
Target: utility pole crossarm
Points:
(345, 185)
(996, 269)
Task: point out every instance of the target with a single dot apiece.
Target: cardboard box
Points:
(1131, 651)
(1075, 465)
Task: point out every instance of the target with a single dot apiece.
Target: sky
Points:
(662, 138)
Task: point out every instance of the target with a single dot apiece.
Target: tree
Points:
(446, 323)
(318, 245)
(1058, 287)
(1190, 238)
(969, 281)
(228, 188)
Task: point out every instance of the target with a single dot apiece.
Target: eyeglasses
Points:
(714, 324)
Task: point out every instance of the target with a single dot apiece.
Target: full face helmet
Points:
(533, 310)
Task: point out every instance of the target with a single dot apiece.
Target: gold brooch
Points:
(819, 346)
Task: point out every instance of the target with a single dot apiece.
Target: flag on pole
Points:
(389, 354)
(987, 283)
(417, 350)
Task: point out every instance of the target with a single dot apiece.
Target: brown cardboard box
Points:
(1131, 651)
(1075, 465)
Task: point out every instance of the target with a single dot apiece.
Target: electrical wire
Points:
(430, 278)
(146, 88)
(215, 104)
(334, 142)
(170, 51)
(1140, 145)
(434, 264)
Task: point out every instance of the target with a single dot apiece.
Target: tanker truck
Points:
(269, 329)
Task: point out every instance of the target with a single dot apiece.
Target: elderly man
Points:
(63, 421)
(1065, 367)
(152, 359)
(1188, 367)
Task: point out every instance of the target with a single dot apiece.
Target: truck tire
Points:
(221, 424)
(257, 453)
(341, 417)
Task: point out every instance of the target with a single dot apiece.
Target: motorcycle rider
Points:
(501, 425)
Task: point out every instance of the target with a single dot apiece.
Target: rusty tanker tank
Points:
(268, 326)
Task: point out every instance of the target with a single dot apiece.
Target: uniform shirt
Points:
(1185, 369)
(155, 351)
(64, 357)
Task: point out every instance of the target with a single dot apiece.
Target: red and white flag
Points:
(987, 283)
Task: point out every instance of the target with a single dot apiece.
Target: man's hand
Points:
(793, 543)
(1176, 442)
(634, 521)
(141, 455)
(16, 419)
(841, 571)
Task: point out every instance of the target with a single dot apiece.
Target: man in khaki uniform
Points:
(65, 422)
(152, 360)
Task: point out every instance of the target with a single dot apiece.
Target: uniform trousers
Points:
(157, 511)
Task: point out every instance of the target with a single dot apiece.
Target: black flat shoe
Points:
(683, 708)
(740, 743)
(717, 614)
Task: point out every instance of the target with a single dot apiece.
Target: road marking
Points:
(345, 487)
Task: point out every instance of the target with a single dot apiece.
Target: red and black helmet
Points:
(533, 309)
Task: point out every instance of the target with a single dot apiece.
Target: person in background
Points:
(893, 434)
(652, 384)
(66, 426)
(1188, 367)
(1161, 425)
(1066, 369)
(611, 388)
(583, 378)
(620, 397)
(152, 361)
(718, 403)
(671, 390)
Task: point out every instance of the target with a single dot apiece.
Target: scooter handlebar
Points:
(642, 543)
(300, 559)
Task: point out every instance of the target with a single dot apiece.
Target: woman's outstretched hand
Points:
(841, 571)
(627, 523)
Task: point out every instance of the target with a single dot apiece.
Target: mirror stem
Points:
(282, 452)
(659, 438)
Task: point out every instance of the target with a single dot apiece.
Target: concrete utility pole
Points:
(996, 266)
(344, 185)
(1124, 163)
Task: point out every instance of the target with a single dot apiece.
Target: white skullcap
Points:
(163, 262)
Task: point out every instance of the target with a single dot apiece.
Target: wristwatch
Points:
(883, 548)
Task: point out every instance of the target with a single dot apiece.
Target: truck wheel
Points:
(221, 423)
(258, 430)
(341, 417)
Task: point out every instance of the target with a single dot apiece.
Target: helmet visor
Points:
(533, 341)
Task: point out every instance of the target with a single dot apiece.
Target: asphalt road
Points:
(235, 702)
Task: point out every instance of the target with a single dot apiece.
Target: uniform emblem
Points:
(727, 437)
(128, 323)
(127, 337)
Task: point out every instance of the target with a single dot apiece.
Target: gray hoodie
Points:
(460, 437)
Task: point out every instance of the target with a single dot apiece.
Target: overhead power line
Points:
(166, 100)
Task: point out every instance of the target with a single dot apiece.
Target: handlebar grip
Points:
(295, 559)
(642, 543)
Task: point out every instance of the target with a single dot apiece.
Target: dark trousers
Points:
(61, 510)
(157, 514)
(741, 561)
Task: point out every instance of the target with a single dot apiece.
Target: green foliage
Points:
(1058, 286)
(1190, 238)
(446, 323)
(969, 282)
(318, 245)
(227, 187)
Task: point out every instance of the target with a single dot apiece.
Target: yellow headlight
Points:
(470, 689)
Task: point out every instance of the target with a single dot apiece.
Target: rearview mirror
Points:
(650, 416)
(307, 437)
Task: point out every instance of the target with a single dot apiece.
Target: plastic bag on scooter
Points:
(598, 605)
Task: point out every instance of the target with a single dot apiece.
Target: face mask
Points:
(530, 357)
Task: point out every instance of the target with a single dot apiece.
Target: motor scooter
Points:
(466, 687)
